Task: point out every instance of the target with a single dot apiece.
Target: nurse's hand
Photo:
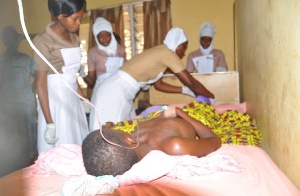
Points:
(50, 132)
(201, 98)
(185, 90)
(86, 106)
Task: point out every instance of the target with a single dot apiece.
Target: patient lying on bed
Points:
(172, 131)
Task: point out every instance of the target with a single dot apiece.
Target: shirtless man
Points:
(172, 131)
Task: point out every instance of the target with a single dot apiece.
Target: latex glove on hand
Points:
(201, 98)
(82, 72)
(49, 136)
(169, 112)
(212, 101)
(185, 90)
(86, 106)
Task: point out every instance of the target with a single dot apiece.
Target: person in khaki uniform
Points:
(61, 117)
(116, 94)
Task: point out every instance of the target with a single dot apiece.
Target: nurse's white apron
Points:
(66, 110)
(112, 64)
(114, 99)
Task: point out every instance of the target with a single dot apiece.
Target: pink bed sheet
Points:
(260, 177)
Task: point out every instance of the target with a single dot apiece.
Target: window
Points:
(84, 37)
(133, 29)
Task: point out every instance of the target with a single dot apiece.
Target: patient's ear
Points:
(109, 125)
(129, 139)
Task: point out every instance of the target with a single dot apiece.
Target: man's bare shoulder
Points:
(168, 127)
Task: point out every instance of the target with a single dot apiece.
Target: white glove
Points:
(212, 101)
(185, 90)
(82, 72)
(49, 136)
(86, 106)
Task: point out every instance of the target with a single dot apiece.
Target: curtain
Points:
(113, 15)
(157, 21)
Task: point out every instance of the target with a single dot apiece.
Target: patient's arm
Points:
(201, 130)
(208, 141)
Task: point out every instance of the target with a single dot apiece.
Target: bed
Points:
(248, 170)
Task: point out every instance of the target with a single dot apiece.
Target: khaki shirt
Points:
(148, 64)
(49, 44)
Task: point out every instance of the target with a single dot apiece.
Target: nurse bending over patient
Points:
(116, 94)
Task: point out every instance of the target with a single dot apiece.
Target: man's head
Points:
(103, 158)
(11, 38)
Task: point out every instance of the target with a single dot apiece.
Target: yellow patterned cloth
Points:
(231, 126)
